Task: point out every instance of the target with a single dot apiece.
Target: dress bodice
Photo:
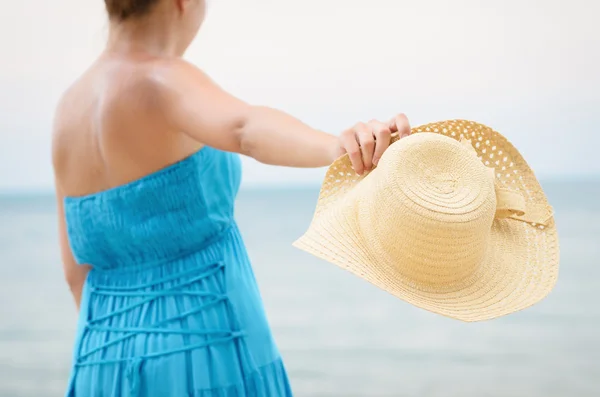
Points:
(160, 217)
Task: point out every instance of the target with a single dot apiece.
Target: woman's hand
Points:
(365, 143)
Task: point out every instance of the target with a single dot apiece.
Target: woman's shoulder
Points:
(130, 76)
(112, 110)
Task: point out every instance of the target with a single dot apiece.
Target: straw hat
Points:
(452, 220)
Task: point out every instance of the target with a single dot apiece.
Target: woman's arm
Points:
(75, 274)
(194, 104)
(197, 106)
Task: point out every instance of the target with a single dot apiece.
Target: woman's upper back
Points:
(109, 129)
(128, 181)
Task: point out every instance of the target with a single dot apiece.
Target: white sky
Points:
(530, 69)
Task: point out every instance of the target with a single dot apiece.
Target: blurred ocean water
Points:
(339, 335)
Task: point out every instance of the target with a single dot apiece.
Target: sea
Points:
(339, 336)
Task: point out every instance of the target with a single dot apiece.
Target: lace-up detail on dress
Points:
(146, 294)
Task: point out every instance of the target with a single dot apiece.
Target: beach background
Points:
(340, 336)
(527, 68)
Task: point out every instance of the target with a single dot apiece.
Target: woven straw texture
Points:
(452, 220)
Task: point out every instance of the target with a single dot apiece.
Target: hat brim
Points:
(519, 269)
(508, 280)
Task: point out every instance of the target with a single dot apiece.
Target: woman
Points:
(145, 157)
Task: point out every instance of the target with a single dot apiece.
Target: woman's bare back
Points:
(109, 129)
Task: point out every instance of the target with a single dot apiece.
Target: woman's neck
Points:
(150, 36)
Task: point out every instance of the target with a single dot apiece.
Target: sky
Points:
(529, 69)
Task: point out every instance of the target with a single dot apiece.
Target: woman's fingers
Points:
(382, 134)
(400, 125)
(366, 140)
(366, 143)
(350, 144)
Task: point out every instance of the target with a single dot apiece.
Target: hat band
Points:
(511, 204)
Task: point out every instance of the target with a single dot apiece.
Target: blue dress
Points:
(171, 307)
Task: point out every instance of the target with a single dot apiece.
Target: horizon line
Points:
(32, 192)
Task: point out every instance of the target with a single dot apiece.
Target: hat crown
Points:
(429, 208)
